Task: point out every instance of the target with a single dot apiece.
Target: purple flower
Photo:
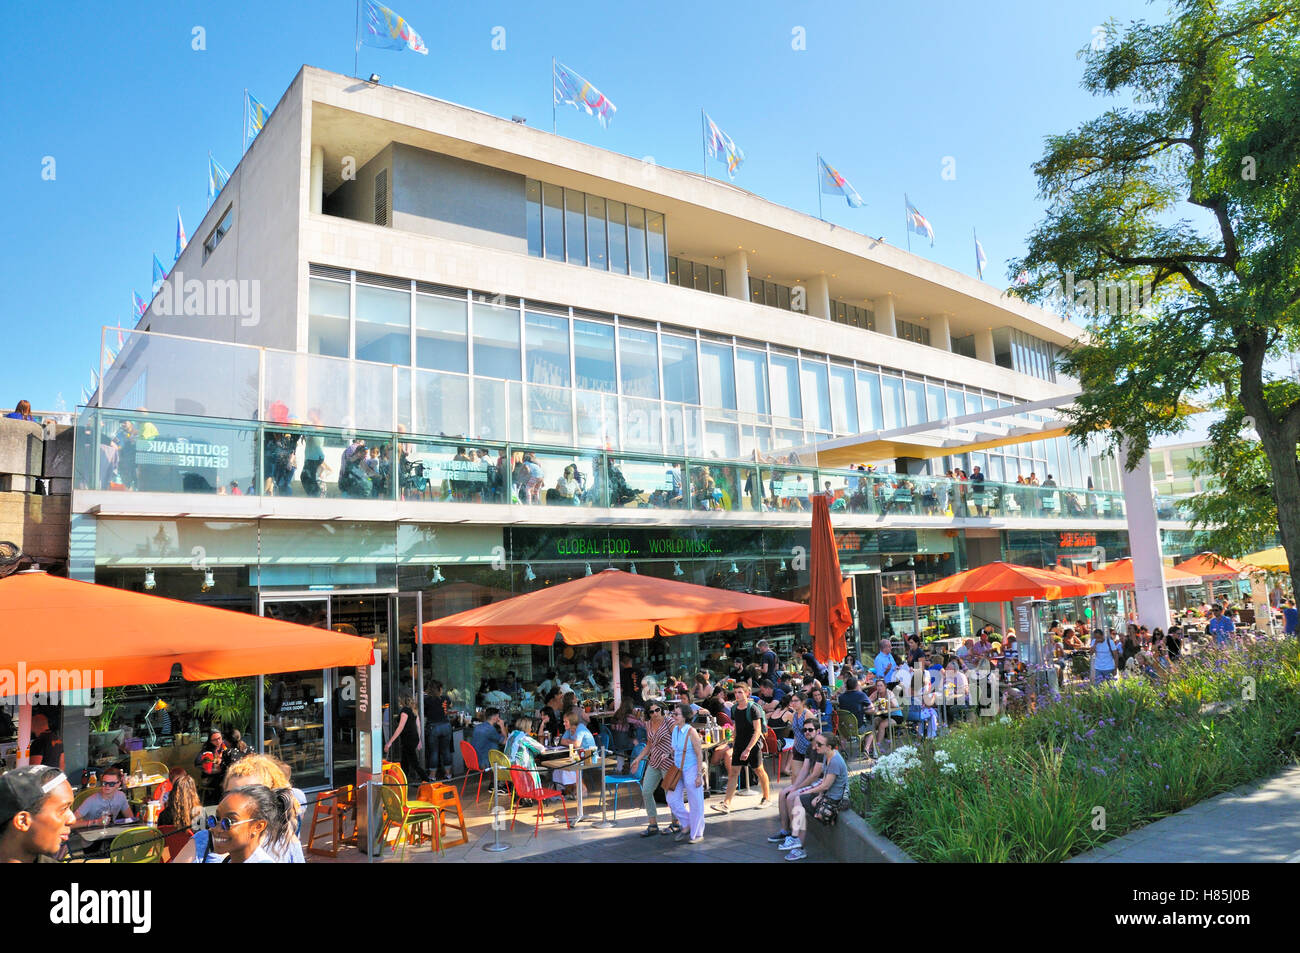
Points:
(1091, 732)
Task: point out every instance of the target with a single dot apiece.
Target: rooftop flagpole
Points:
(356, 48)
(245, 149)
(704, 143)
(819, 187)
(552, 95)
(907, 221)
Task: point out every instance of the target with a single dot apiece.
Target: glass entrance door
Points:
(297, 705)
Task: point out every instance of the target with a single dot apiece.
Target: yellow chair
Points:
(144, 845)
(502, 763)
(154, 768)
(82, 796)
(397, 817)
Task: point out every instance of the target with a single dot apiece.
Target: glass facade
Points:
(691, 274)
(1024, 353)
(855, 316)
(567, 225)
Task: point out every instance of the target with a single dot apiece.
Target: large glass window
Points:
(656, 247)
(935, 405)
(681, 380)
(785, 388)
(870, 410)
(751, 381)
(547, 349)
(636, 260)
(597, 256)
(844, 402)
(383, 325)
(638, 363)
(717, 377)
(496, 341)
(327, 319)
(891, 390)
(914, 395)
(440, 341)
(575, 227)
(553, 221)
(617, 237)
(956, 402)
(533, 221)
(593, 355)
(816, 395)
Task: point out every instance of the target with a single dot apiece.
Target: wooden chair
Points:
(332, 807)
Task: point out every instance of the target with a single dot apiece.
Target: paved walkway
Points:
(1255, 823)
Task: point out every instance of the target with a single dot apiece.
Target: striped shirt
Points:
(660, 740)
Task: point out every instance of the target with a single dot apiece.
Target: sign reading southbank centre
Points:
(182, 453)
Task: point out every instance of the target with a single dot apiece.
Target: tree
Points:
(1190, 192)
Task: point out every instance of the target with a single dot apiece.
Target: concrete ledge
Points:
(852, 841)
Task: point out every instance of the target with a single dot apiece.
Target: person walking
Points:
(409, 734)
(1105, 657)
(437, 734)
(746, 747)
(686, 799)
(658, 751)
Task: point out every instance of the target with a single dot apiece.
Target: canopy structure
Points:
(52, 624)
(828, 610)
(1270, 560)
(1119, 576)
(1000, 582)
(609, 606)
(1212, 567)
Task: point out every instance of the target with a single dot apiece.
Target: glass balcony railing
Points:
(143, 451)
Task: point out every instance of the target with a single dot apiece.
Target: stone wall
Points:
(35, 488)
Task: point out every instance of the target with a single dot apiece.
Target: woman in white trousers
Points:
(687, 799)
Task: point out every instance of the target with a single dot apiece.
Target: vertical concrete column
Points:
(737, 269)
(1144, 543)
(884, 308)
(317, 179)
(819, 297)
(940, 333)
(984, 347)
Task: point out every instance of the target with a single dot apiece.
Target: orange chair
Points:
(444, 799)
(332, 807)
(772, 749)
(524, 787)
(472, 766)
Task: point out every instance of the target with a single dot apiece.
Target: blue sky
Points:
(128, 110)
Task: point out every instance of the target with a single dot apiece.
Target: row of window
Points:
(778, 296)
(582, 229)
(909, 331)
(853, 315)
(691, 274)
(1024, 353)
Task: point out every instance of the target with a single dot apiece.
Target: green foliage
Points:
(1194, 189)
(1027, 790)
(228, 703)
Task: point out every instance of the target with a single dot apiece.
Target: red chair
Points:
(524, 787)
(772, 749)
(472, 766)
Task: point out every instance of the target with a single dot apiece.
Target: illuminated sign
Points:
(1078, 540)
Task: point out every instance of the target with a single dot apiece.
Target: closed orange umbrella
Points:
(610, 606)
(51, 624)
(1001, 582)
(1119, 575)
(828, 610)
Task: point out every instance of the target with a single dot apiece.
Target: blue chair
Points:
(604, 738)
(618, 780)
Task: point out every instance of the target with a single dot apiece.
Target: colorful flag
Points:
(256, 115)
(1022, 278)
(571, 89)
(721, 146)
(835, 184)
(981, 260)
(217, 178)
(141, 306)
(159, 273)
(386, 30)
(181, 241)
(916, 222)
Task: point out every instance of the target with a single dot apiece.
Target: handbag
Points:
(827, 812)
(673, 776)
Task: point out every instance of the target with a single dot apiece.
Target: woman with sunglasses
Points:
(252, 826)
(658, 751)
(687, 799)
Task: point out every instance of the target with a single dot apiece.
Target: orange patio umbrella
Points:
(52, 624)
(1212, 568)
(1119, 575)
(1001, 582)
(610, 606)
(828, 610)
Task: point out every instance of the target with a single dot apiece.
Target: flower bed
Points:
(1062, 780)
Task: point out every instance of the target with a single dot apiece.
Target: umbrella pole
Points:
(24, 731)
(614, 675)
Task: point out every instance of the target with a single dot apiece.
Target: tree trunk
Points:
(1279, 442)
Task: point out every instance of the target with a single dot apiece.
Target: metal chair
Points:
(395, 815)
(503, 766)
(848, 728)
(143, 845)
(524, 787)
(472, 766)
(618, 780)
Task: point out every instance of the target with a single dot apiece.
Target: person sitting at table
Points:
(108, 801)
(577, 736)
(621, 731)
(35, 814)
(768, 696)
(253, 826)
(821, 704)
(181, 808)
(488, 734)
(551, 722)
(522, 748)
(1174, 642)
(211, 761)
(955, 690)
(853, 699)
(1070, 641)
(884, 708)
(967, 649)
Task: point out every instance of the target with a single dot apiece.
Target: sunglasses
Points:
(810, 731)
(226, 823)
(656, 711)
(109, 784)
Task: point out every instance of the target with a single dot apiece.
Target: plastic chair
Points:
(81, 796)
(848, 728)
(471, 767)
(331, 807)
(503, 766)
(524, 787)
(175, 842)
(140, 846)
(618, 780)
(394, 775)
(772, 749)
(395, 815)
(605, 738)
(445, 799)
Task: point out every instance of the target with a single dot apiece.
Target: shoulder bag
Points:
(673, 776)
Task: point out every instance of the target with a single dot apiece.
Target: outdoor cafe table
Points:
(83, 838)
(559, 760)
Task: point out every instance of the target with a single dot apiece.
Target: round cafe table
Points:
(81, 839)
(562, 762)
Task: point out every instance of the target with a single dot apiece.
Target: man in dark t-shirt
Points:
(852, 699)
(746, 746)
(767, 660)
(46, 748)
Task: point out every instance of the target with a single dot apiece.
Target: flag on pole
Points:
(721, 146)
(386, 30)
(217, 178)
(141, 306)
(916, 222)
(981, 260)
(159, 273)
(571, 89)
(1022, 278)
(835, 184)
(255, 117)
(180, 235)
